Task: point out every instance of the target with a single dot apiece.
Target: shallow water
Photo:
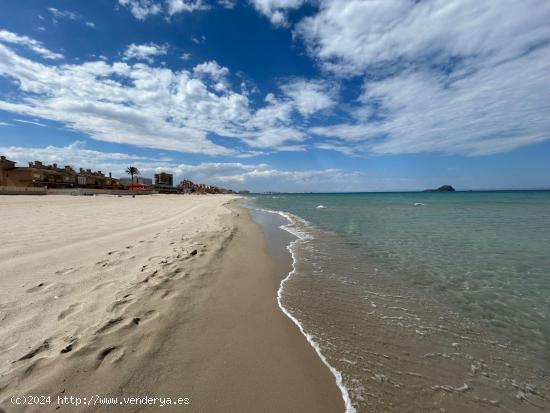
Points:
(440, 298)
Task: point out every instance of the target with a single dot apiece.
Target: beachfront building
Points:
(164, 183)
(186, 186)
(140, 184)
(39, 175)
(164, 178)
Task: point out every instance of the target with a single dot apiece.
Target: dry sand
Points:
(160, 296)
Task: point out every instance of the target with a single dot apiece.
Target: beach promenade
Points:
(156, 298)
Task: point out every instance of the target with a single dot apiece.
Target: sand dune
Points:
(160, 296)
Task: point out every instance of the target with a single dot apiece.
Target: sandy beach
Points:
(154, 296)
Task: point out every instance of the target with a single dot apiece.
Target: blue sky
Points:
(284, 95)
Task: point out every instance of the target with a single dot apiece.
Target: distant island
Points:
(444, 188)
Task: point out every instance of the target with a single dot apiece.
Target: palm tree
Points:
(132, 170)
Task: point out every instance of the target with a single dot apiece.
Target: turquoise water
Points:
(482, 256)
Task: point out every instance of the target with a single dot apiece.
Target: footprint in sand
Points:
(67, 349)
(102, 263)
(149, 313)
(65, 271)
(109, 325)
(110, 354)
(69, 310)
(174, 274)
(120, 303)
(42, 347)
(143, 317)
(103, 285)
(36, 288)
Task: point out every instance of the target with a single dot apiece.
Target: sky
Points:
(282, 95)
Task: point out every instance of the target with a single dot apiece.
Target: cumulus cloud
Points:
(179, 6)
(212, 69)
(145, 52)
(145, 106)
(141, 9)
(151, 107)
(276, 10)
(459, 76)
(75, 154)
(276, 137)
(34, 45)
(309, 96)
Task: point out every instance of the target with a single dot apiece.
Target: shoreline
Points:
(297, 237)
(192, 314)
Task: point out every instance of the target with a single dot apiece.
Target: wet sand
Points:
(153, 296)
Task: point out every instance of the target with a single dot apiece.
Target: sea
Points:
(423, 301)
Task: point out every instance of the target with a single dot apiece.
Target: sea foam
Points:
(302, 236)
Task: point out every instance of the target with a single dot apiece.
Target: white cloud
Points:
(309, 96)
(494, 110)
(358, 34)
(179, 6)
(34, 45)
(150, 106)
(145, 52)
(456, 76)
(198, 40)
(276, 10)
(65, 14)
(141, 9)
(453, 76)
(186, 56)
(212, 69)
(228, 4)
(145, 106)
(70, 15)
(74, 154)
(30, 122)
(261, 177)
(337, 147)
(276, 137)
(346, 132)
